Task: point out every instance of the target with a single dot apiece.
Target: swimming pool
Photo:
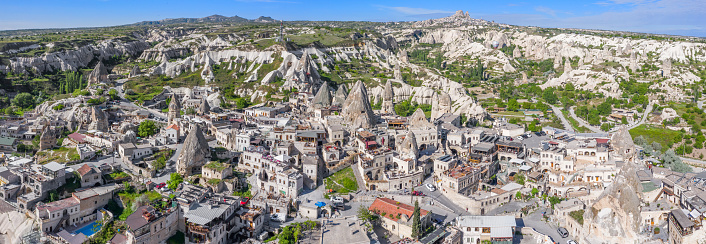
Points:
(89, 229)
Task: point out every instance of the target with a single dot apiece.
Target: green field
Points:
(655, 134)
(342, 181)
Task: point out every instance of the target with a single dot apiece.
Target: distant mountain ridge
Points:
(209, 19)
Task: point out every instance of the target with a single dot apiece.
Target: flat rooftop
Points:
(347, 230)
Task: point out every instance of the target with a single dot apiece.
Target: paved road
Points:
(696, 161)
(535, 220)
(647, 112)
(439, 197)
(583, 122)
(558, 113)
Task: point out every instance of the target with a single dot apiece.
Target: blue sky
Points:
(680, 17)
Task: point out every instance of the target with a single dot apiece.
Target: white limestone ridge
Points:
(72, 60)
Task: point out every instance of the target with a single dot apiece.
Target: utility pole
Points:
(281, 31)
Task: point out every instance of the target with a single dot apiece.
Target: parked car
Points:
(337, 200)
(275, 218)
(160, 185)
(571, 242)
(563, 232)
(418, 193)
(244, 200)
(430, 187)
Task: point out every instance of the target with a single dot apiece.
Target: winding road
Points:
(583, 122)
(564, 121)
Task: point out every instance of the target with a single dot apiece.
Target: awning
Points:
(283, 158)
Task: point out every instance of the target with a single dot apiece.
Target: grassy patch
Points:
(244, 192)
(60, 155)
(342, 181)
(128, 197)
(577, 215)
(213, 182)
(655, 134)
(146, 87)
(216, 166)
(117, 175)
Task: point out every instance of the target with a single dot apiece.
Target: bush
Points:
(174, 180)
(23, 100)
(147, 128)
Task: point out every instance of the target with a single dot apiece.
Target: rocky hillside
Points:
(468, 59)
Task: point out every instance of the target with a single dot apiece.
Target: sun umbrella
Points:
(320, 204)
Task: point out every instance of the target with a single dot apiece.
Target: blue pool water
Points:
(88, 230)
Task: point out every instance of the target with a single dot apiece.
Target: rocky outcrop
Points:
(72, 60)
(322, 98)
(48, 138)
(99, 120)
(388, 99)
(409, 147)
(441, 105)
(623, 145)
(204, 108)
(195, 153)
(356, 111)
(340, 97)
(615, 216)
(418, 120)
(129, 137)
(458, 19)
(98, 75)
(174, 110)
(135, 71)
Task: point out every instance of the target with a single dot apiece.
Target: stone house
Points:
(397, 216)
(90, 176)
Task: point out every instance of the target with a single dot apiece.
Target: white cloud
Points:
(417, 11)
(677, 17)
(546, 10)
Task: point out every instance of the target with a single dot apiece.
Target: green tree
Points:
(640, 140)
(604, 108)
(147, 128)
(555, 200)
(242, 102)
(518, 195)
(159, 163)
(549, 96)
(673, 161)
(520, 179)
(416, 223)
(606, 127)
(114, 94)
(23, 100)
(174, 180)
(53, 196)
(624, 120)
(364, 214)
(534, 191)
(512, 105)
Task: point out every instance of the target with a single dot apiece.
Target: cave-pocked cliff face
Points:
(72, 60)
